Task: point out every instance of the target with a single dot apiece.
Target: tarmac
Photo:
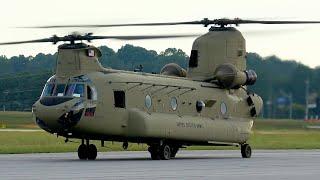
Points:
(264, 165)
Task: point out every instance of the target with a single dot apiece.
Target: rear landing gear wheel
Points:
(246, 151)
(162, 152)
(83, 152)
(92, 152)
(165, 152)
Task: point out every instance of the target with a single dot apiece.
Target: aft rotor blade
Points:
(205, 22)
(88, 37)
(273, 22)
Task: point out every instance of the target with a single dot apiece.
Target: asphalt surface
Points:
(265, 164)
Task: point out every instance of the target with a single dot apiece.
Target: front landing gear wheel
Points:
(165, 152)
(83, 152)
(246, 151)
(92, 152)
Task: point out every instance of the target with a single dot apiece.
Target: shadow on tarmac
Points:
(131, 159)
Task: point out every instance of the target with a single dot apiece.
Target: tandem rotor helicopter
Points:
(208, 104)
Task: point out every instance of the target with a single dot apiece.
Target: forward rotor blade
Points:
(30, 41)
(115, 25)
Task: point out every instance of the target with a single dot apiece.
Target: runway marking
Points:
(20, 130)
(313, 127)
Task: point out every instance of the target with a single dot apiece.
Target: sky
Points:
(291, 42)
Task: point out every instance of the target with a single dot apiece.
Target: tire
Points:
(83, 152)
(92, 152)
(165, 152)
(246, 151)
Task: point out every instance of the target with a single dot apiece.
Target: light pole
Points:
(6, 92)
(290, 106)
(307, 100)
(289, 96)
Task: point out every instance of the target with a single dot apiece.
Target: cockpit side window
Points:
(59, 90)
(48, 90)
(91, 93)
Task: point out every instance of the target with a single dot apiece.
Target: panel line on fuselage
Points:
(153, 84)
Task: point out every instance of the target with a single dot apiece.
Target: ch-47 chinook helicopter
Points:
(208, 104)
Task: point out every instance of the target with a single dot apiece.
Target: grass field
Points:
(267, 134)
(21, 120)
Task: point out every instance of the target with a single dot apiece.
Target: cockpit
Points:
(78, 87)
(64, 102)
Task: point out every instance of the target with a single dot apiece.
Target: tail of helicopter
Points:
(218, 46)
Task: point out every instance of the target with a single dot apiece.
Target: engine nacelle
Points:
(231, 78)
(173, 69)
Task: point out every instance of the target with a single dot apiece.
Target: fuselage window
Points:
(174, 103)
(148, 101)
(223, 108)
(48, 90)
(119, 99)
(59, 90)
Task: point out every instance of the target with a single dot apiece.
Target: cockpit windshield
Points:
(59, 91)
(48, 90)
(75, 90)
(77, 87)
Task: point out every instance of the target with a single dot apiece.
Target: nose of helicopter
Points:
(57, 115)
